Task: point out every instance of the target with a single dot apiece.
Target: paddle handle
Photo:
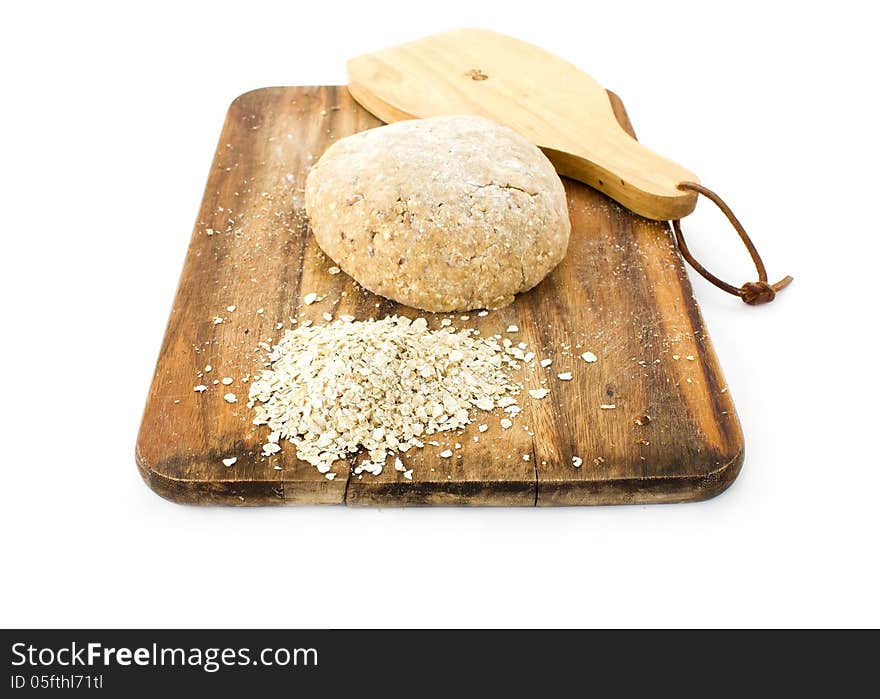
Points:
(631, 174)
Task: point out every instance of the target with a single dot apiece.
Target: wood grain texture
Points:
(622, 293)
(548, 100)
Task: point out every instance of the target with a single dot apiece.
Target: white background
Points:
(110, 116)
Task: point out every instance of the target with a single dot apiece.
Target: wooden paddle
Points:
(549, 101)
(556, 106)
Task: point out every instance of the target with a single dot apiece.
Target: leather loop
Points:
(752, 293)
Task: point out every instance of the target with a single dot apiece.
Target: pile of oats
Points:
(380, 385)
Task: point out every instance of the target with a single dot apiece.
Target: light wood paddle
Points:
(555, 105)
(548, 100)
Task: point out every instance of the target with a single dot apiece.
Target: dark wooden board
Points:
(622, 292)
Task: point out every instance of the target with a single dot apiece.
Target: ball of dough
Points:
(449, 213)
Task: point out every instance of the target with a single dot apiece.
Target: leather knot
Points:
(756, 293)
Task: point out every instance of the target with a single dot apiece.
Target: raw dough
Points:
(446, 213)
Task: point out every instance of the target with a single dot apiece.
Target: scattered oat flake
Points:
(483, 428)
(564, 376)
(539, 393)
(226, 380)
(485, 403)
(208, 367)
(576, 461)
(334, 270)
(398, 464)
(445, 323)
(310, 298)
(589, 357)
(546, 362)
(527, 457)
(230, 308)
(408, 474)
(330, 476)
(209, 231)
(327, 316)
(608, 406)
(513, 328)
(230, 461)
(505, 423)
(483, 314)
(230, 398)
(446, 453)
(260, 311)
(201, 388)
(270, 448)
(690, 357)
(218, 320)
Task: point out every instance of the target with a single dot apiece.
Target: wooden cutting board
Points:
(621, 293)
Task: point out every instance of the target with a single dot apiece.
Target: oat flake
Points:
(380, 386)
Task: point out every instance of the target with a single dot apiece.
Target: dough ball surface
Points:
(449, 213)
